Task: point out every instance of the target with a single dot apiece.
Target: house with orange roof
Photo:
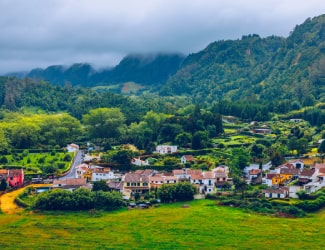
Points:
(187, 158)
(70, 184)
(137, 182)
(14, 177)
(209, 182)
(255, 176)
(159, 179)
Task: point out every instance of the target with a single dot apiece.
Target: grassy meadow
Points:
(201, 226)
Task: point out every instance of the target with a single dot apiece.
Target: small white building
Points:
(187, 158)
(102, 174)
(139, 162)
(72, 148)
(279, 193)
(166, 149)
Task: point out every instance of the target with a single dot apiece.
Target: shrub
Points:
(211, 197)
(67, 157)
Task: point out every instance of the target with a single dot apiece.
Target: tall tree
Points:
(104, 122)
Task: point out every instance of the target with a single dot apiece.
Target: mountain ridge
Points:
(272, 69)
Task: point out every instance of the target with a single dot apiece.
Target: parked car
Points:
(143, 206)
(132, 205)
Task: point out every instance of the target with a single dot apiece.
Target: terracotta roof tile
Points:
(255, 171)
(307, 172)
(208, 175)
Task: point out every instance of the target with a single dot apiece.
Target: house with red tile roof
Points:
(137, 182)
(159, 179)
(255, 176)
(187, 158)
(70, 184)
(14, 177)
(209, 182)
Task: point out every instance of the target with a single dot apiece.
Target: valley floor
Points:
(203, 225)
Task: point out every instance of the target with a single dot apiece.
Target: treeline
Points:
(192, 127)
(79, 199)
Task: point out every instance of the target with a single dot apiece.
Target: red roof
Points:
(188, 157)
(255, 171)
(307, 172)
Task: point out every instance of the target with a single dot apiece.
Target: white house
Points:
(139, 162)
(72, 147)
(89, 157)
(102, 174)
(70, 184)
(166, 149)
(208, 182)
(187, 158)
(299, 164)
(279, 193)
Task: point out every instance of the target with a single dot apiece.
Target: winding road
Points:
(72, 172)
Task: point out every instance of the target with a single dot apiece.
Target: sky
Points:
(39, 33)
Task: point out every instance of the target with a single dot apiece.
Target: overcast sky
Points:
(39, 33)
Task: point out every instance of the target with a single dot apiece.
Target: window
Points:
(138, 184)
(145, 184)
(128, 184)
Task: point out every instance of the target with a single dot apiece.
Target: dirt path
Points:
(7, 201)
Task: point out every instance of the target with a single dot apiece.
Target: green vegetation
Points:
(51, 163)
(79, 199)
(203, 225)
(182, 191)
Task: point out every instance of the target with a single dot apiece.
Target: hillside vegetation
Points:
(289, 72)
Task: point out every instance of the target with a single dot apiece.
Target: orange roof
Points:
(208, 175)
(71, 182)
(188, 157)
(255, 171)
(196, 176)
(3, 171)
(194, 171)
(319, 165)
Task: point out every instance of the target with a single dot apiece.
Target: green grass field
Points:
(202, 226)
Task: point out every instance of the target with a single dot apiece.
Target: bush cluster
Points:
(261, 205)
(80, 199)
(182, 191)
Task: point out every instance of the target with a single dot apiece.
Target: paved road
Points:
(72, 172)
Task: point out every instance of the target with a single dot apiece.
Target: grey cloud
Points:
(38, 33)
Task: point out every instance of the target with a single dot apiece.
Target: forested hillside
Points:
(251, 78)
(144, 69)
(285, 71)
